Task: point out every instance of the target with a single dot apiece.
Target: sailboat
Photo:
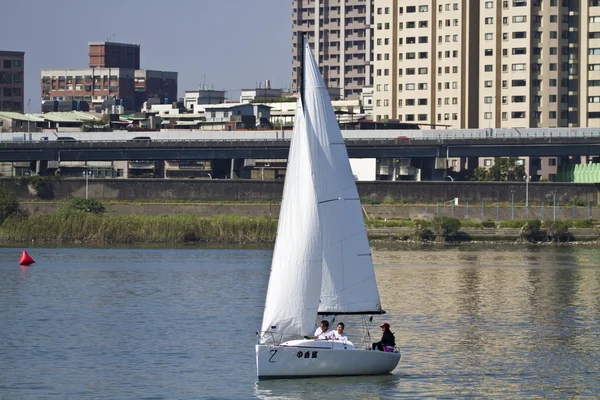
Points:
(322, 263)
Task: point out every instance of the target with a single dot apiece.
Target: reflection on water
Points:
(370, 387)
(472, 321)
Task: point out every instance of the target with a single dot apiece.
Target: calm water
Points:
(504, 322)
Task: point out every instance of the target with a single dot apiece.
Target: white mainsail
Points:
(349, 284)
(322, 261)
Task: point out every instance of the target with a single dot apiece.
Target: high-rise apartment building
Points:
(486, 63)
(12, 87)
(340, 33)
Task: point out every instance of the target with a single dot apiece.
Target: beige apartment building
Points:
(340, 33)
(487, 63)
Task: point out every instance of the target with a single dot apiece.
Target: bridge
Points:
(402, 147)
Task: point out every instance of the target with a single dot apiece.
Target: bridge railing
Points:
(279, 135)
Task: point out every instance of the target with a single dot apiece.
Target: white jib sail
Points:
(349, 284)
(295, 281)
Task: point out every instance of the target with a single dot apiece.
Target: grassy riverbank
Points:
(82, 227)
(75, 226)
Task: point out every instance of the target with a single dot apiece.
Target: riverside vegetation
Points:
(84, 221)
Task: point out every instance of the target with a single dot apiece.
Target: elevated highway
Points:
(89, 150)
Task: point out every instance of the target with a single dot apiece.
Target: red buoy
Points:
(26, 259)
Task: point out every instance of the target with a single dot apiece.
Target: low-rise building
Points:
(194, 98)
(235, 116)
(114, 81)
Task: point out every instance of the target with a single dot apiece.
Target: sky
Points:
(225, 44)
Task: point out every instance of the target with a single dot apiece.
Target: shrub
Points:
(420, 230)
(372, 201)
(530, 229)
(445, 227)
(9, 205)
(488, 224)
(85, 205)
(582, 223)
(556, 231)
(469, 223)
(576, 201)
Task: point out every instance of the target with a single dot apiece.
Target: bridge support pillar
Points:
(159, 169)
(237, 166)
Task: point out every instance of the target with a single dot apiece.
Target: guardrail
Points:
(278, 135)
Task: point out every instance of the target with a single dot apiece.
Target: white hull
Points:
(307, 358)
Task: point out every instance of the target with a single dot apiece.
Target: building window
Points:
(552, 162)
(487, 115)
(487, 162)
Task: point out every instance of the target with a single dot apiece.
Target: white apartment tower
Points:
(487, 63)
(340, 33)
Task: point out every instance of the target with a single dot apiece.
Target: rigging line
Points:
(329, 201)
(372, 277)
(343, 239)
(339, 199)
(350, 186)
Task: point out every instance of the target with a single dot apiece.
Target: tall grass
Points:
(82, 227)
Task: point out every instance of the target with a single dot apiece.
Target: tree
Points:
(506, 169)
(480, 174)
(9, 204)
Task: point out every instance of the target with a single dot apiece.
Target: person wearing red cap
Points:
(387, 339)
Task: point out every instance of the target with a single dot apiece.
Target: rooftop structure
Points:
(114, 55)
(12, 87)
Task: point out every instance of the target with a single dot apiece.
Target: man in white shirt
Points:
(323, 331)
(339, 333)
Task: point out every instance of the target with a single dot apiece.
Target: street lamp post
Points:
(554, 203)
(527, 178)
(512, 201)
(87, 173)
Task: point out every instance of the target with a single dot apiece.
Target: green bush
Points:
(530, 230)
(420, 230)
(488, 224)
(85, 205)
(372, 201)
(445, 227)
(469, 223)
(9, 205)
(582, 223)
(576, 201)
(556, 231)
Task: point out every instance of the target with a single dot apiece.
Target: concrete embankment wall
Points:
(490, 211)
(270, 191)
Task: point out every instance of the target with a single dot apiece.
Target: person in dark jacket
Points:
(387, 338)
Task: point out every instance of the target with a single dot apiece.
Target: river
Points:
(179, 323)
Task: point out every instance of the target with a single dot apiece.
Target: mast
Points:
(301, 74)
